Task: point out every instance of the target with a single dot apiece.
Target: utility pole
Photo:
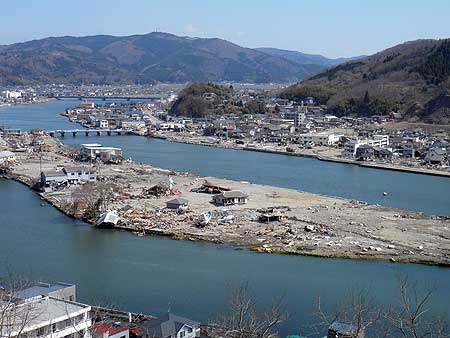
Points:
(40, 159)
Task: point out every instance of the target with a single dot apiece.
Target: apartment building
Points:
(26, 314)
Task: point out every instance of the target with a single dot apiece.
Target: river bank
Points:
(306, 224)
(321, 153)
(39, 100)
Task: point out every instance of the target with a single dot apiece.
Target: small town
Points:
(278, 125)
(225, 169)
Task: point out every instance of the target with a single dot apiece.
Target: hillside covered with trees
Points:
(202, 99)
(411, 78)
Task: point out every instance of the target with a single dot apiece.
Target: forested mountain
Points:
(149, 58)
(411, 78)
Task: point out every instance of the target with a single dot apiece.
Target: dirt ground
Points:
(310, 224)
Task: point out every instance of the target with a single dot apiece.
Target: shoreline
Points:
(315, 225)
(233, 245)
(43, 100)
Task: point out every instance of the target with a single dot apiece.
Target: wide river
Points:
(153, 274)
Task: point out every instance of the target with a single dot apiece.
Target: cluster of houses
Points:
(126, 115)
(308, 126)
(415, 145)
(17, 96)
(47, 310)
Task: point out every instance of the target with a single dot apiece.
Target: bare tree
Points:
(92, 198)
(358, 310)
(243, 320)
(409, 319)
(15, 314)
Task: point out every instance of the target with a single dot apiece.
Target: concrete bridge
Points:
(86, 132)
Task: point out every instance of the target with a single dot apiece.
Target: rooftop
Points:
(111, 328)
(41, 311)
(42, 289)
(166, 325)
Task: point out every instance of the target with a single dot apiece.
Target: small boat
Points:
(385, 193)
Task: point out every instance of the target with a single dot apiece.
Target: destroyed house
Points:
(51, 180)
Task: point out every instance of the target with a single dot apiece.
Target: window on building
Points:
(54, 328)
(71, 298)
(182, 334)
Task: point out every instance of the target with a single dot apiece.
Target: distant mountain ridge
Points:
(412, 78)
(148, 58)
(317, 60)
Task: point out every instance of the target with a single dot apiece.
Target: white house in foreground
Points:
(43, 317)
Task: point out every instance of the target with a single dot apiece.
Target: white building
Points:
(11, 94)
(76, 175)
(171, 126)
(322, 139)
(95, 151)
(43, 316)
(379, 141)
(104, 124)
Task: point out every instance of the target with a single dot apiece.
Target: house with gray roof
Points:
(170, 326)
(436, 156)
(177, 203)
(230, 198)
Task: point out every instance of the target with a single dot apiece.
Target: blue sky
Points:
(330, 27)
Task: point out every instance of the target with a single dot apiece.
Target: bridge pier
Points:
(119, 133)
(98, 133)
(62, 133)
(86, 133)
(108, 132)
(74, 133)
